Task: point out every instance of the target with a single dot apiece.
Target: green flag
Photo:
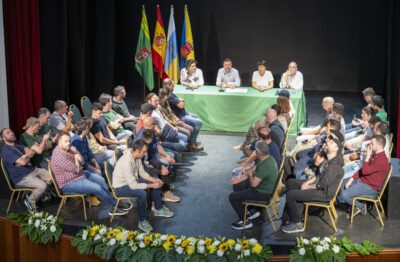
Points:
(143, 60)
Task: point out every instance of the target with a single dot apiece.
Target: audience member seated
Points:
(262, 79)
(44, 117)
(366, 134)
(41, 145)
(146, 110)
(101, 131)
(368, 93)
(178, 107)
(292, 78)
(191, 76)
(114, 121)
(120, 107)
(284, 103)
(378, 104)
(277, 131)
(338, 109)
(251, 137)
(61, 119)
(67, 166)
(281, 118)
(21, 172)
(228, 76)
(257, 185)
(369, 180)
(131, 180)
(362, 124)
(286, 93)
(321, 188)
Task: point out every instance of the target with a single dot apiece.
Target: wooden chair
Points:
(86, 106)
(109, 170)
(374, 199)
(15, 189)
(330, 206)
(265, 204)
(77, 114)
(64, 197)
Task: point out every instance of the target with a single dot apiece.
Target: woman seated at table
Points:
(191, 76)
(262, 78)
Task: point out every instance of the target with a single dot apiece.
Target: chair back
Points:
(291, 124)
(275, 192)
(332, 201)
(385, 183)
(53, 179)
(117, 154)
(77, 114)
(391, 149)
(86, 105)
(109, 169)
(5, 172)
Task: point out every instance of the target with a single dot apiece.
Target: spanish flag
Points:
(171, 56)
(159, 45)
(187, 46)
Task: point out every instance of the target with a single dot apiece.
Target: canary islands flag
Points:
(171, 56)
(187, 47)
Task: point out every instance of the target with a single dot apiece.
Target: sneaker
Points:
(239, 225)
(29, 203)
(171, 197)
(126, 205)
(194, 148)
(118, 212)
(293, 228)
(145, 226)
(154, 209)
(358, 211)
(163, 212)
(253, 214)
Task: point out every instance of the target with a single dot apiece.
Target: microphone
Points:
(221, 89)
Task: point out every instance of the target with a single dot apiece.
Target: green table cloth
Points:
(235, 112)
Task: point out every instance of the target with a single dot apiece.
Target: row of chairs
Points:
(86, 106)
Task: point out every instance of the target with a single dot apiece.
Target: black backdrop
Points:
(88, 45)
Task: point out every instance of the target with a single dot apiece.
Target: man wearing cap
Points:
(40, 145)
(21, 172)
(321, 188)
(292, 78)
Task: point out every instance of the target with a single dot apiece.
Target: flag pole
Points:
(144, 92)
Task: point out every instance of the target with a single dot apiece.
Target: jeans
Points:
(351, 168)
(242, 192)
(107, 155)
(357, 188)
(129, 125)
(92, 184)
(195, 122)
(124, 135)
(175, 154)
(187, 130)
(141, 196)
(175, 146)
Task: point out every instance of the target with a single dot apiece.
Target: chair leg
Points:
(245, 214)
(333, 221)
(34, 201)
(352, 211)
(113, 210)
(19, 192)
(305, 217)
(379, 213)
(334, 212)
(61, 205)
(9, 203)
(270, 219)
(84, 207)
(274, 208)
(380, 204)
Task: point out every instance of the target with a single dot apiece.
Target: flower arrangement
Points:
(330, 249)
(125, 245)
(39, 227)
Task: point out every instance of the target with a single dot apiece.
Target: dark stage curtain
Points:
(22, 43)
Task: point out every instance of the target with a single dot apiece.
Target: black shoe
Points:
(253, 214)
(239, 225)
(118, 212)
(126, 206)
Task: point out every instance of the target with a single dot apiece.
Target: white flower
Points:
(336, 249)
(140, 236)
(246, 252)
(253, 241)
(30, 221)
(102, 231)
(306, 242)
(327, 239)
(39, 214)
(53, 228)
(112, 242)
(37, 223)
(50, 217)
(179, 250)
(134, 248)
(43, 227)
(163, 237)
(319, 249)
(178, 241)
(84, 235)
(220, 253)
(238, 247)
(200, 249)
(201, 242)
(142, 245)
(314, 239)
(216, 243)
(96, 237)
(302, 251)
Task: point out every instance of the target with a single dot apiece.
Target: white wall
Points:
(3, 77)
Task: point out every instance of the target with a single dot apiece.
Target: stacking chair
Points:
(77, 114)
(330, 206)
(14, 189)
(86, 105)
(265, 204)
(64, 197)
(277, 198)
(117, 154)
(109, 170)
(374, 199)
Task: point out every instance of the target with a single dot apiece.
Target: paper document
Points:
(236, 90)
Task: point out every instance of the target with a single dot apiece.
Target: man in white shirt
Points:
(292, 78)
(262, 79)
(191, 76)
(228, 76)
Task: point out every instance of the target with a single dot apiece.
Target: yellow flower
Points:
(171, 239)
(93, 230)
(185, 242)
(208, 241)
(257, 248)
(245, 243)
(147, 240)
(190, 250)
(211, 249)
(223, 246)
(131, 234)
(231, 242)
(120, 235)
(111, 234)
(157, 235)
(116, 231)
(166, 246)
